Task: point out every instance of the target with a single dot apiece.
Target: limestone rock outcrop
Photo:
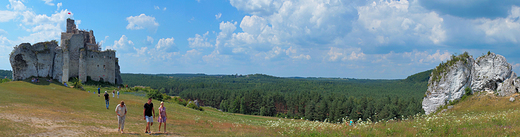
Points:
(449, 80)
(33, 60)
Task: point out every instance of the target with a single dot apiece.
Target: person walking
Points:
(98, 91)
(147, 112)
(162, 117)
(107, 98)
(113, 93)
(118, 94)
(121, 115)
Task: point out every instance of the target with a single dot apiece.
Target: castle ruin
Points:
(78, 56)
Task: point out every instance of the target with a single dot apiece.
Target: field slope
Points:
(49, 109)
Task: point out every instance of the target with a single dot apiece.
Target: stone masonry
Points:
(78, 56)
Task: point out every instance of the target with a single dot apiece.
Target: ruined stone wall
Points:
(101, 65)
(76, 43)
(82, 65)
(77, 56)
(57, 70)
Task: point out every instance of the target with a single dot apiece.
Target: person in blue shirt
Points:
(98, 91)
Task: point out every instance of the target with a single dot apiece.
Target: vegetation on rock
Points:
(442, 69)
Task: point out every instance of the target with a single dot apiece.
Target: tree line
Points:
(308, 98)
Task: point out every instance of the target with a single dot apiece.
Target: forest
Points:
(6, 74)
(331, 99)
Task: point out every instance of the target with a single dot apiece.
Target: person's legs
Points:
(160, 126)
(147, 127)
(119, 119)
(164, 126)
(106, 102)
(123, 123)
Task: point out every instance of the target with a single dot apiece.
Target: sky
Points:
(306, 38)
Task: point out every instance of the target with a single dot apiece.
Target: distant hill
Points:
(419, 77)
(6, 73)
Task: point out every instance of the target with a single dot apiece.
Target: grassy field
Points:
(50, 109)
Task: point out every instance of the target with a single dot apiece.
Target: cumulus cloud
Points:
(7, 15)
(122, 44)
(166, 44)
(218, 16)
(501, 29)
(472, 9)
(103, 41)
(49, 2)
(16, 5)
(199, 41)
(397, 23)
(142, 22)
(350, 54)
(58, 6)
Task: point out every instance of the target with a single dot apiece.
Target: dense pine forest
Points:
(6, 74)
(319, 99)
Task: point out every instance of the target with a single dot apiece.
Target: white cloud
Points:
(141, 51)
(350, 54)
(226, 29)
(7, 15)
(258, 7)
(58, 6)
(103, 41)
(390, 22)
(218, 16)
(166, 44)
(16, 5)
(159, 8)
(199, 41)
(141, 22)
(198, 1)
(49, 2)
(122, 44)
(501, 29)
(149, 40)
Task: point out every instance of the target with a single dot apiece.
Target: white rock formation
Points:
(490, 72)
(33, 60)
(449, 88)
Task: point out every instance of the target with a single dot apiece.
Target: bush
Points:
(193, 106)
(180, 101)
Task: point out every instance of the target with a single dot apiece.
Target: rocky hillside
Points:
(448, 81)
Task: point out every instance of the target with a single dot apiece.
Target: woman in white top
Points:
(121, 115)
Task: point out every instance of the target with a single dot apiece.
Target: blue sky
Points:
(308, 38)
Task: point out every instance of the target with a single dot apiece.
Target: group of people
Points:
(148, 115)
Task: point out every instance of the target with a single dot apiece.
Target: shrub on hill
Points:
(440, 70)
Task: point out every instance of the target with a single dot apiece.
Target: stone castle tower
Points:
(77, 56)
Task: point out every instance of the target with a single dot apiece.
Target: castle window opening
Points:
(104, 67)
(98, 66)
(92, 56)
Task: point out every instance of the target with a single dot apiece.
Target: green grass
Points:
(50, 109)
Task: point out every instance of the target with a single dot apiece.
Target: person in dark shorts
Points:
(106, 98)
(148, 112)
(98, 91)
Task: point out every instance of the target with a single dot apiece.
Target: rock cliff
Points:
(33, 60)
(449, 80)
